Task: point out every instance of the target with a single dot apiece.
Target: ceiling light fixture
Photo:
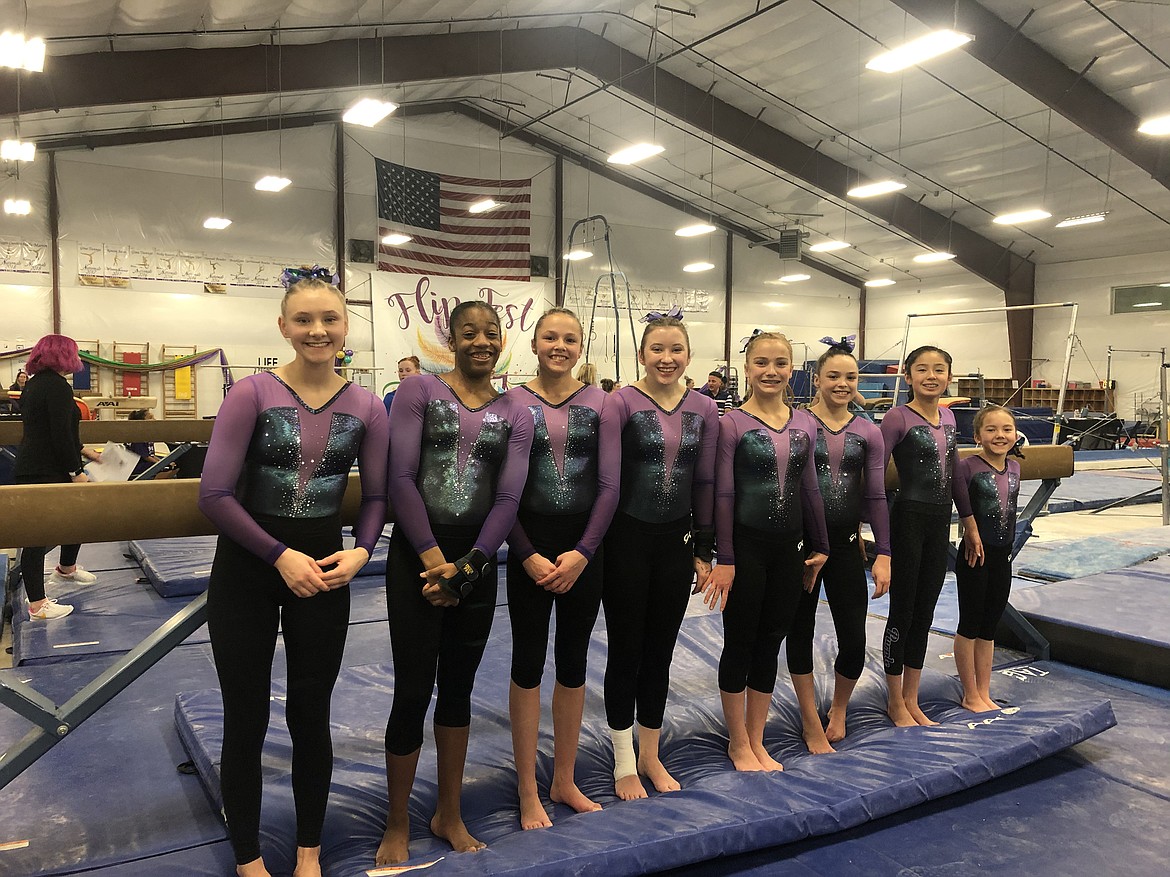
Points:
(916, 51)
(1021, 216)
(636, 153)
(396, 239)
(929, 258)
(1086, 219)
(20, 53)
(576, 255)
(368, 112)
(690, 231)
(827, 246)
(879, 281)
(1148, 304)
(219, 223)
(695, 267)
(18, 150)
(871, 190)
(795, 278)
(1158, 126)
(17, 207)
(272, 184)
(483, 205)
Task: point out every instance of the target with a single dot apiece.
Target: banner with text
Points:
(411, 312)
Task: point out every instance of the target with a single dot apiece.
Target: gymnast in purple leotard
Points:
(276, 470)
(458, 462)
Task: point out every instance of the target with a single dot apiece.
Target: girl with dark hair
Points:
(920, 436)
(458, 462)
(554, 555)
(50, 452)
(661, 539)
(850, 465)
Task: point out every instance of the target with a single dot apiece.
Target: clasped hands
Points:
(306, 576)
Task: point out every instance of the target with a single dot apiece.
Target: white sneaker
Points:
(49, 610)
(79, 576)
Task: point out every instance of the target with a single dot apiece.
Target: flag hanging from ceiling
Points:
(446, 238)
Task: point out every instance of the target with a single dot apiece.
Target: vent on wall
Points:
(360, 251)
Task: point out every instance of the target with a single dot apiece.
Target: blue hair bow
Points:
(675, 312)
(289, 276)
(845, 342)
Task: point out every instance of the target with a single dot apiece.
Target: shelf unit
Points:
(1094, 399)
(1000, 391)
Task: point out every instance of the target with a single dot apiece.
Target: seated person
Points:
(145, 450)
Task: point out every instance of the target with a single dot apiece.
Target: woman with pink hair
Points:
(50, 453)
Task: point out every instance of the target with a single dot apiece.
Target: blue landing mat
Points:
(118, 612)
(878, 771)
(98, 556)
(1077, 558)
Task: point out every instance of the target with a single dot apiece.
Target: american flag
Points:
(446, 238)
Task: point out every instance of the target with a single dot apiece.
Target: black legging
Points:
(430, 642)
(918, 565)
(983, 591)
(32, 560)
(760, 608)
(648, 573)
(246, 601)
(530, 606)
(847, 589)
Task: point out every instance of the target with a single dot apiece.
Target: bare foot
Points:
(454, 832)
(630, 787)
(817, 742)
(918, 715)
(571, 796)
(532, 812)
(835, 732)
(308, 862)
(743, 758)
(767, 762)
(975, 704)
(395, 841)
(657, 773)
(254, 868)
(900, 716)
(990, 705)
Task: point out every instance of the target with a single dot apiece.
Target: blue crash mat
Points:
(1078, 558)
(878, 770)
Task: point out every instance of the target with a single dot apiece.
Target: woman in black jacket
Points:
(50, 453)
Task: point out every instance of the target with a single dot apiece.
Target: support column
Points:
(54, 244)
(339, 221)
(559, 229)
(728, 277)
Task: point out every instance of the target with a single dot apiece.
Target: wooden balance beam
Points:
(96, 432)
(1040, 463)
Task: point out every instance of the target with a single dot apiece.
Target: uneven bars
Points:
(1064, 304)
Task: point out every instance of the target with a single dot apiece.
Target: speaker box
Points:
(360, 251)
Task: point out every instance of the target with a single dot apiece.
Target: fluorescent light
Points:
(1164, 284)
(18, 53)
(928, 258)
(872, 189)
(880, 281)
(794, 278)
(18, 150)
(690, 231)
(272, 184)
(483, 205)
(17, 206)
(695, 267)
(577, 254)
(916, 51)
(1148, 304)
(396, 239)
(368, 112)
(219, 223)
(1087, 219)
(1158, 126)
(634, 154)
(827, 246)
(1021, 216)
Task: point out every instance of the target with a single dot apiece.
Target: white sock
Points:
(624, 761)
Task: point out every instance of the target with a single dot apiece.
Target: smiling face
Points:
(929, 375)
(768, 367)
(996, 432)
(665, 354)
(557, 344)
(315, 323)
(476, 341)
(837, 380)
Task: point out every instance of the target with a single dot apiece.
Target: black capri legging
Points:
(983, 591)
(32, 558)
(846, 587)
(918, 564)
(432, 642)
(247, 600)
(648, 573)
(760, 607)
(530, 607)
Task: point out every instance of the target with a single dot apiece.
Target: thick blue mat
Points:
(1077, 558)
(878, 770)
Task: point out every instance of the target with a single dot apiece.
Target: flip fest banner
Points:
(411, 314)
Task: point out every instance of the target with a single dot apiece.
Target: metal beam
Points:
(1022, 62)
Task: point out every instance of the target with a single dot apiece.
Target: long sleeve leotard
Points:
(851, 472)
(993, 496)
(925, 456)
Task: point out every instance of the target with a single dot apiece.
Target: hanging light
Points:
(1021, 216)
(871, 190)
(218, 223)
(877, 282)
(916, 51)
(17, 206)
(795, 278)
(636, 153)
(368, 112)
(576, 255)
(1086, 219)
(698, 228)
(930, 258)
(18, 150)
(20, 53)
(272, 184)
(695, 267)
(1158, 126)
(827, 246)
(396, 239)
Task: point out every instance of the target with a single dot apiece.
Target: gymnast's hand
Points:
(564, 574)
(348, 564)
(972, 546)
(538, 567)
(881, 575)
(301, 573)
(702, 573)
(718, 586)
(812, 569)
(434, 594)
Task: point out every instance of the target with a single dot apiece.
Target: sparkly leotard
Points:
(924, 455)
(993, 497)
(851, 471)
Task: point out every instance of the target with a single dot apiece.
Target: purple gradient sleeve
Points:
(960, 490)
(729, 435)
(519, 543)
(877, 509)
(230, 437)
(893, 429)
(703, 485)
(812, 508)
(609, 476)
(410, 513)
(510, 484)
(372, 459)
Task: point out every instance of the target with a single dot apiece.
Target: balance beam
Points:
(126, 431)
(1040, 463)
